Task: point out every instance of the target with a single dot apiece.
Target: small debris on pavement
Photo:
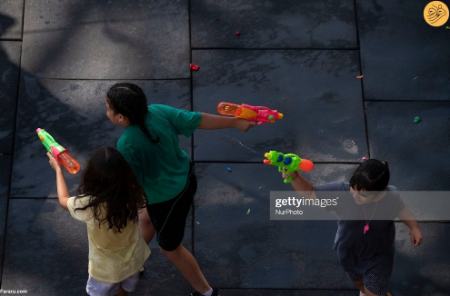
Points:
(194, 67)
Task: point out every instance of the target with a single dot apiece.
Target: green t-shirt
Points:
(161, 169)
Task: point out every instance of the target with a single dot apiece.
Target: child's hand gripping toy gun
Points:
(59, 152)
(287, 163)
(258, 114)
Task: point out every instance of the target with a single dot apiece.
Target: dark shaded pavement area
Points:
(58, 58)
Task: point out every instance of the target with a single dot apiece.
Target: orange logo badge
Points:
(436, 13)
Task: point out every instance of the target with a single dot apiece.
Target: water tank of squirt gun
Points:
(258, 114)
(59, 152)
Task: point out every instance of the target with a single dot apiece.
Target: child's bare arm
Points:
(301, 184)
(212, 121)
(414, 230)
(61, 186)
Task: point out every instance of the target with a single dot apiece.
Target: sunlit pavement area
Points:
(354, 79)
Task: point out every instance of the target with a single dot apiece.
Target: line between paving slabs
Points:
(407, 100)
(290, 289)
(361, 81)
(260, 162)
(110, 79)
(11, 154)
(11, 39)
(191, 92)
(275, 48)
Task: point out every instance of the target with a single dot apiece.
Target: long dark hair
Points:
(371, 175)
(129, 100)
(115, 194)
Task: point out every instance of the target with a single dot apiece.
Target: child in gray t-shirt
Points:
(366, 232)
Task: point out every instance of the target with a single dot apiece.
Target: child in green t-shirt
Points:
(150, 145)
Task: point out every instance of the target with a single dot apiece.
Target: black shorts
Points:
(375, 273)
(169, 217)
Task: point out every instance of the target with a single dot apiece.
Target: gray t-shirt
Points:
(350, 236)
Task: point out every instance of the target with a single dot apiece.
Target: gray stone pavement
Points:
(58, 57)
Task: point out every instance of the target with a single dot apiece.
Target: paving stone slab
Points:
(11, 14)
(5, 169)
(240, 247)
(160, 276)
(417, 271)
(316, 90)
(403, 58)
(107, 39)
(9, 73)
(417, 152)
(73, 111)
(53, 261)
(274, 24)
(5, 165)
(424, 270)
(46, 251)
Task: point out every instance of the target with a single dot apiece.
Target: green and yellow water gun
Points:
(287, 163)
(59, 152)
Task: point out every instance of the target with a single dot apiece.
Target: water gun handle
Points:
(288, 175)
(59, 152)
(288, 179)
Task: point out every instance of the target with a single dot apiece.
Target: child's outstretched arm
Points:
(414, 230)
(61, 186)
(211, 121)
(301, 184)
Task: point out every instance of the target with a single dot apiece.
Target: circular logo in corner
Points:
(436, 13)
